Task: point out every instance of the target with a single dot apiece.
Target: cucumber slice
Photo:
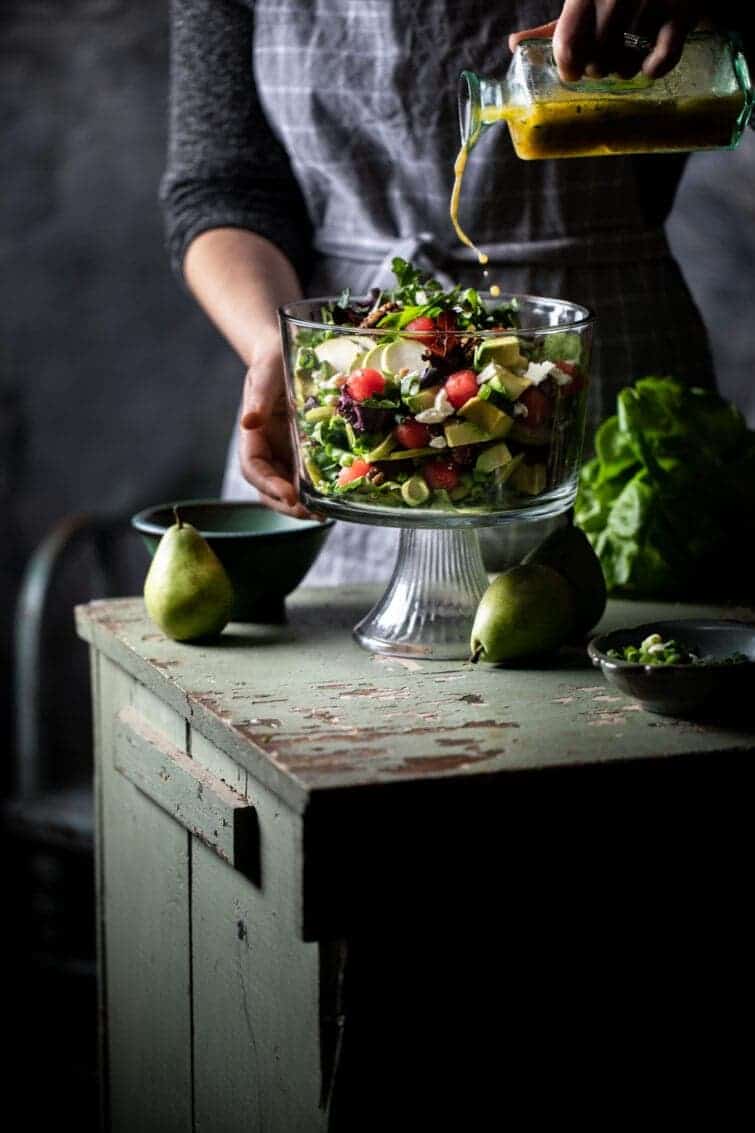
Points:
(415, 491)
(403, 353)
(341, 352)
(372, 359)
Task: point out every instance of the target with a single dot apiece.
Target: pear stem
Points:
(177, 517)
(478, 651)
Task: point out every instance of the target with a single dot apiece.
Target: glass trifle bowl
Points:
(468, 414)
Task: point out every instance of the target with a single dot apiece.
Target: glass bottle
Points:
(704, 103)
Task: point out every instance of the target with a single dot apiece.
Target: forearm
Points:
(240, 279)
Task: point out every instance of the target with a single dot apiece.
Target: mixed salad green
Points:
(653, 650)
(668, 502)
(432, 412)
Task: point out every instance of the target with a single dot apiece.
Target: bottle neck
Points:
(481, 102)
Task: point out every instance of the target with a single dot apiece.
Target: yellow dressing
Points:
(459, 166)
(600, 126)
(596, 127)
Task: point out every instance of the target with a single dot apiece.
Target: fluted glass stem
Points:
(430, 602)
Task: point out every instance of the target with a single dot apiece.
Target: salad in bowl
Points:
(422, 400)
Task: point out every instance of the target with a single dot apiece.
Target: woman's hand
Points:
(265, 443)
(588, 37)
(241, 279)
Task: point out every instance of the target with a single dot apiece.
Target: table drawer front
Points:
(201, 802)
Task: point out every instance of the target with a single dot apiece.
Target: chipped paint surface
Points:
(310, 710)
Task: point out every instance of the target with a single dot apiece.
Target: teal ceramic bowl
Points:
(265, 554)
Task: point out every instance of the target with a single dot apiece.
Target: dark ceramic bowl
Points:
(265, 554)
(703, 689)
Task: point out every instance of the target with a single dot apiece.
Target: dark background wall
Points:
(114, 391)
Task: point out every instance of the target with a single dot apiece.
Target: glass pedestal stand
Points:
(429, 604)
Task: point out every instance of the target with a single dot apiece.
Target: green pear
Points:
(527, 610)
(187, 591)
(569, 551)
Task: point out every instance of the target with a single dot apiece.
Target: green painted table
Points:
(318, 868)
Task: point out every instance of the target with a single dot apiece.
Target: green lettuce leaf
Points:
(668, 502)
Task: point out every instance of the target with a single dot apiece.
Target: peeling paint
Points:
(376, 693)
(424, 764)
(607, 719)
(404, 662)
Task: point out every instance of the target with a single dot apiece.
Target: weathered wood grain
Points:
(255, 985)
(201, 802)
(304, 710)
(145, 916)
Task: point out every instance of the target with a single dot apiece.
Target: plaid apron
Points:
(362, 96)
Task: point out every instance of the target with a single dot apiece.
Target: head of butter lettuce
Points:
(668, 502)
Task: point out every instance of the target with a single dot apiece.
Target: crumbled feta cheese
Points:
(438, 442)
(421, 297)
(440, 410)
(488, 372)
(538, 371)
(520, 409)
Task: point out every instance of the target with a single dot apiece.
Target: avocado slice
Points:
(313, 471)
(415, 491)
(425, 399)
(410, 453)
(509, 384)
(529, 479)
(494, 457)
(464, 433)
(381, 451)
(487, 416)
(403, 352)
(506, 471)
(504, 381)
(320, 413)
(505, 351)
